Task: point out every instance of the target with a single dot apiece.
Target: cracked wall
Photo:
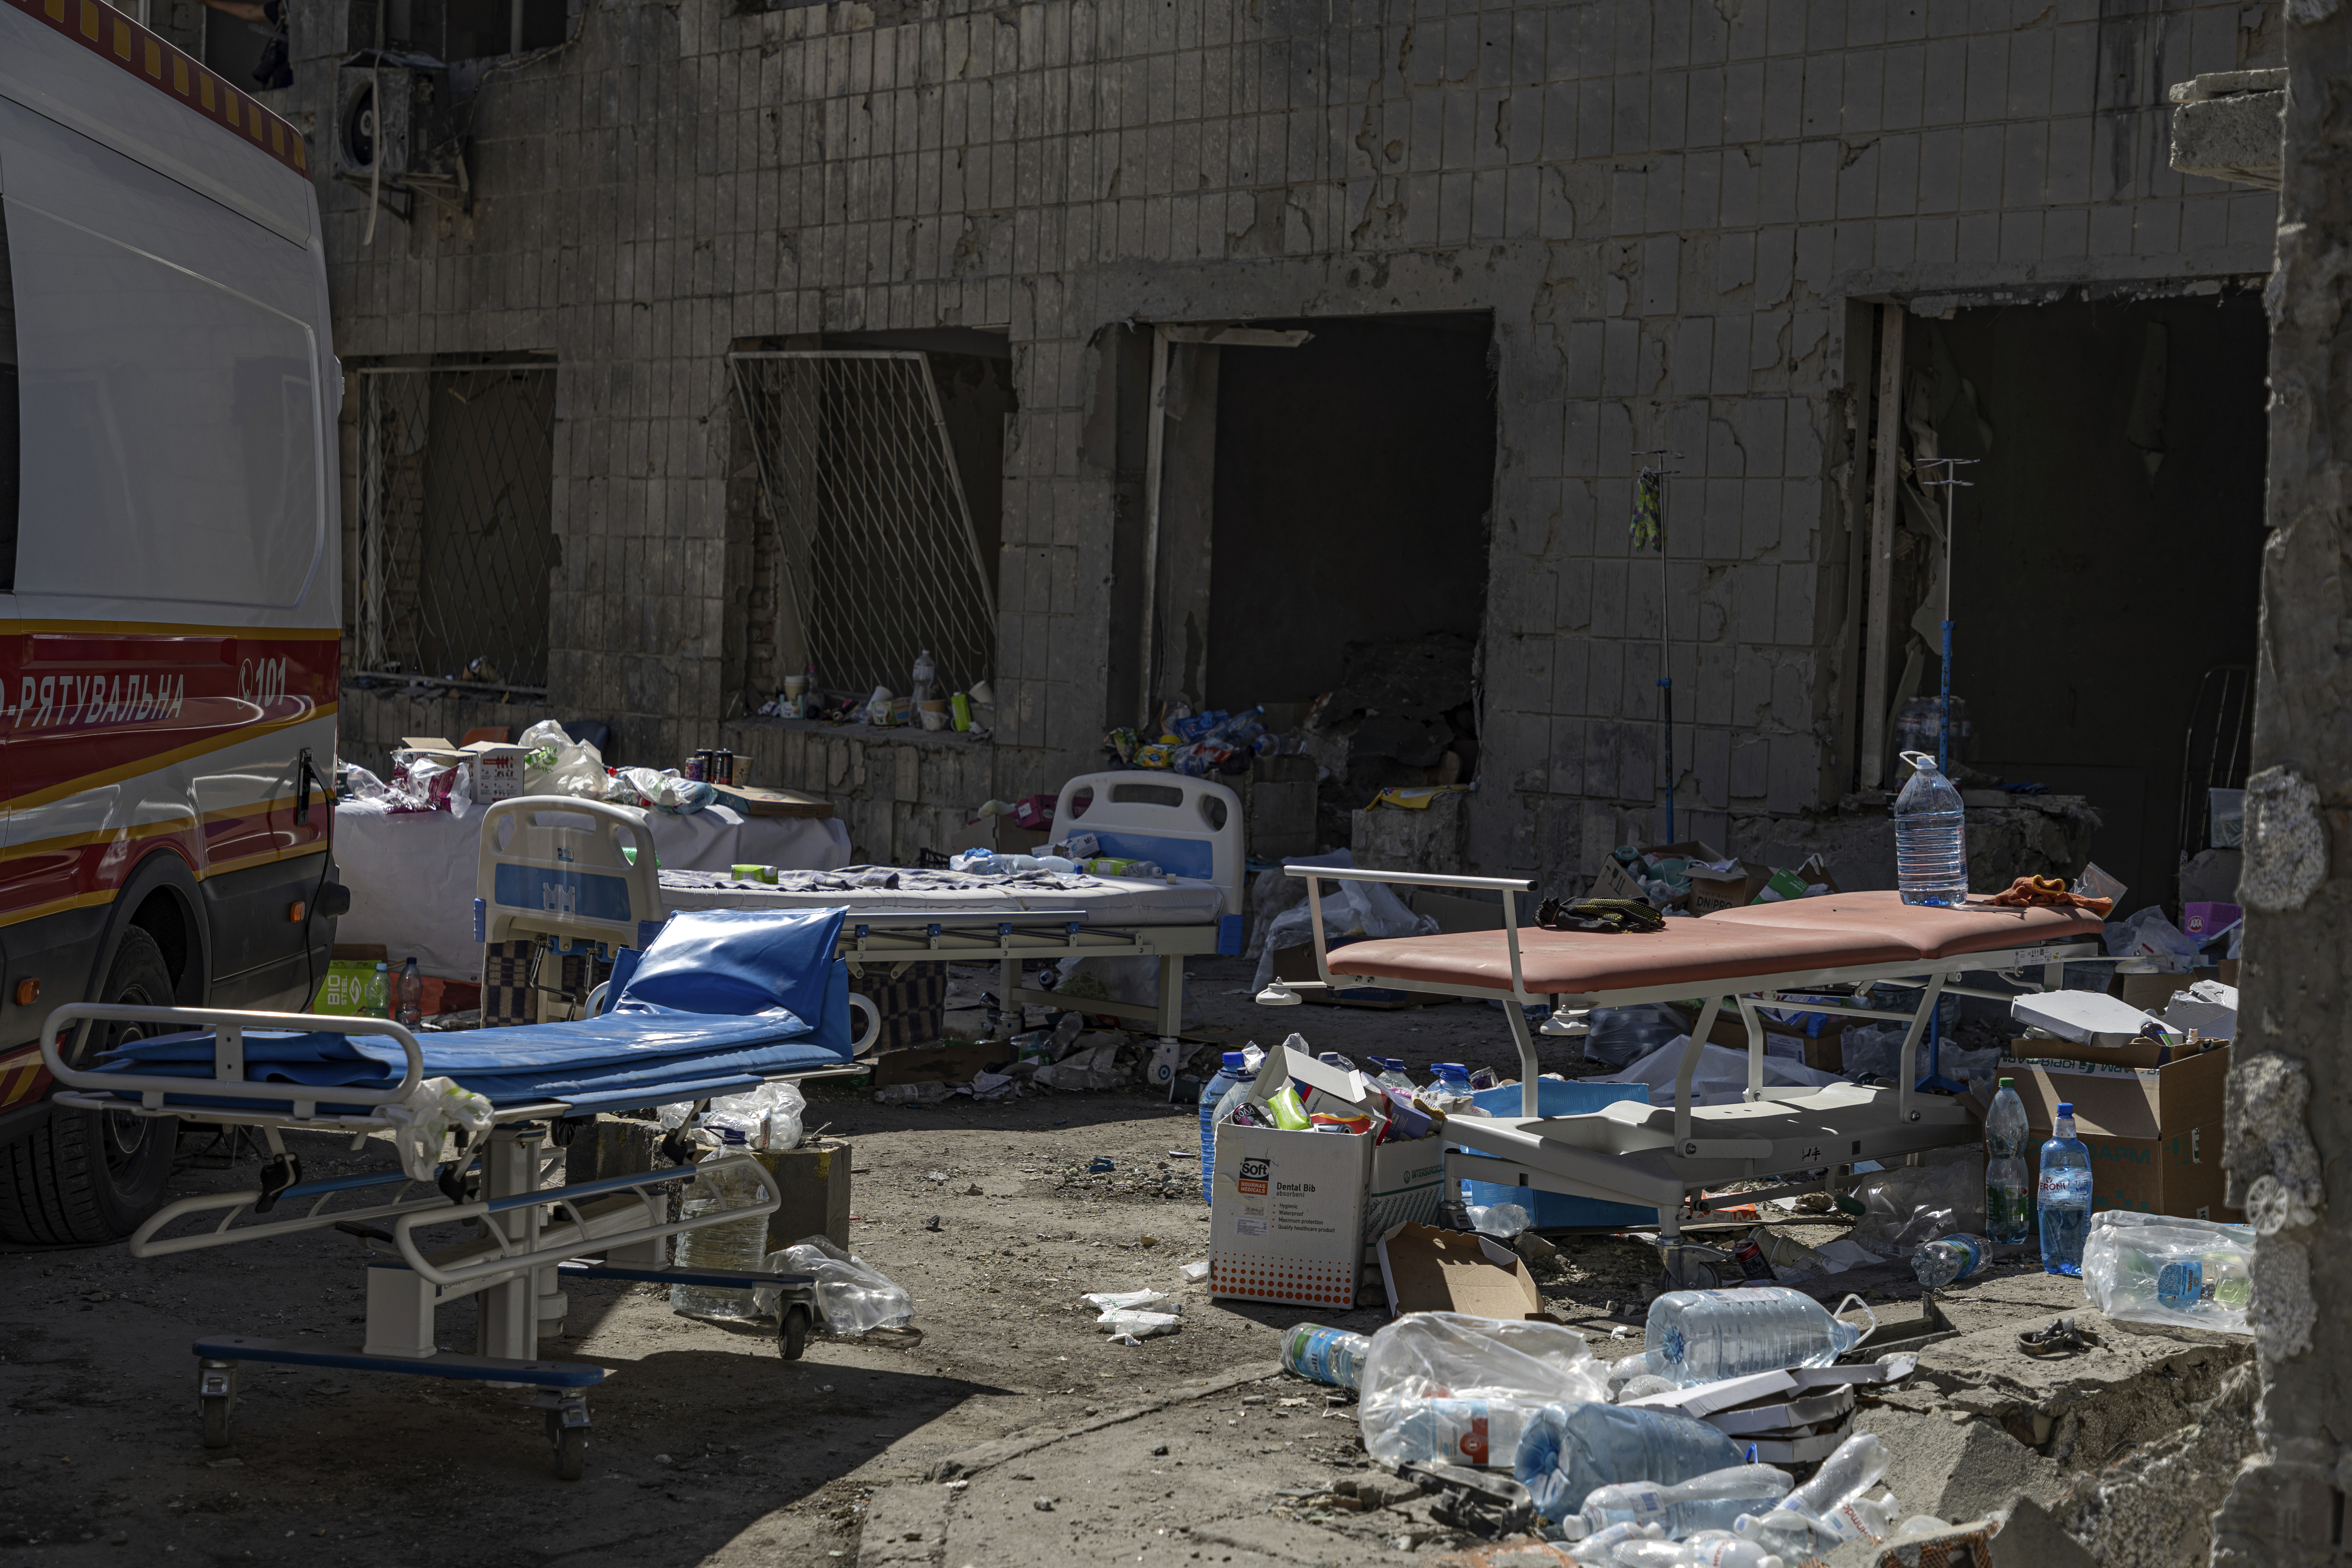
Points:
(1668, 207)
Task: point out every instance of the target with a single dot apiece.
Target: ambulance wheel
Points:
(216, 1411)
(92, 1175)
(571, 1453)
(792, 1331)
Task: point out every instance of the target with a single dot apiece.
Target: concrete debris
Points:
(2286, 843)
(2153, 1509)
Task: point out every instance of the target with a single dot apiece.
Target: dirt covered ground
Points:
(706, 1448)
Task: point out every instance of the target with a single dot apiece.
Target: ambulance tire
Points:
(87, 1176)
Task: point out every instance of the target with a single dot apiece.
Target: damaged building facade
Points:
(1259, 338)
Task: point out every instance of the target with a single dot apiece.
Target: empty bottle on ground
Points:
(1711, 1549)
(1327, 1356)
(1710, 1501)
(1228, 1075)
(1699, 1336)
(1393, 1074)
(1931, 839)
(1566, 1452)
(738, 1245)
(2009, 1218)
(1948, 1258)
(2064, 1196)
(1824, 1511)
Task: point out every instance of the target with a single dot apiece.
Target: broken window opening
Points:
(457, 528)
(877, 549)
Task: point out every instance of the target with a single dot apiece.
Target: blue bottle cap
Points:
(1234, 1059)
(1449, 1069)
(2065, 1108)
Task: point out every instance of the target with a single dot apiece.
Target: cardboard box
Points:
(753, 802)
(1293, 1215)
(1615, 882)
(2149, 992)
(1425, 1269)
(954, 1062)
(1731, 889)
(814, 1181)
(2154, 1133)
(997, 835)
(493, 769)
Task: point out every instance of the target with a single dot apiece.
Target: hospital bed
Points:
(575, 875)
(721, 1000)
(1749, 959)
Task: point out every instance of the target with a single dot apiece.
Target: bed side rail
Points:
(228, 1080)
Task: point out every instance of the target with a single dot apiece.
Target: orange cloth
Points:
(2050, 892)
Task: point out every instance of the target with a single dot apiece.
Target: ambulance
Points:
(169, 576)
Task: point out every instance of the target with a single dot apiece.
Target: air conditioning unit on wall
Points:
(397, 132)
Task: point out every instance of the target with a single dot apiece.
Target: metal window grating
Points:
(878, 558)
(456, 524)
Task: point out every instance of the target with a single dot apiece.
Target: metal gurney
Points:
(1657, 1156)
(721, 1000)
(573, 875)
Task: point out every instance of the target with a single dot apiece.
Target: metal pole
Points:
(1655, 479)
(1951, 481)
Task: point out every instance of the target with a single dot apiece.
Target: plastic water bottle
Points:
(741, 1245)
(1393, 1074)
(1327, 1356)
(1713, 1549)
(1948, 1258)
(2064, 1196)
(1931, 838)
(1569, 1451)
(1449, 1077)
(412, 995)
(1710, 1501)
(380, 994)
(1699, 1336)
(1829, 1508)
(1228, 1075)
(1334, 1060)
(2007, 1220)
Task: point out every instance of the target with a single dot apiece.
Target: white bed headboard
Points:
(1191, 828)
(557, 869)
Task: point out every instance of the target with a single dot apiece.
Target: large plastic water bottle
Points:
(741, 1245)
(1708, 1549)
(2065, 1198)
(1567, 1452)
(1710, 1501)
(2008, 1218)
(1228, 1075)
(1393, 1074)
(1699, 1336)
(1449, 1077)
(1931, 838)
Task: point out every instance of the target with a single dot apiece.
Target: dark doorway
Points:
(1354, 477)
(2107, 557)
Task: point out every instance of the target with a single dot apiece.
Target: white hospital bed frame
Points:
(529, 1235)
(533, 888)
(1621, 1154)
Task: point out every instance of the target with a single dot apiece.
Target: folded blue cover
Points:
(770, 998)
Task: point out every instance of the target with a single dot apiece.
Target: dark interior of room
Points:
(2107, 555)
(1354, 476)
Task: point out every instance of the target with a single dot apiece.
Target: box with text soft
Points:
(1286, 1215)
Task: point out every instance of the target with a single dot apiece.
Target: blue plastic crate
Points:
(1555, 1098)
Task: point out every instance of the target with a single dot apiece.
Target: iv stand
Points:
(1950, 482)
(1665, 671)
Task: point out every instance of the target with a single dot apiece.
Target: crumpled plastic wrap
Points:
(1427, 1367)
(558, 764)
(1138, 1314)
(421, 1124)
(667, 791)
(1911, 1205)
(852, 1296)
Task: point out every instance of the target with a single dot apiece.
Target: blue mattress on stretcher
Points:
(722, 999)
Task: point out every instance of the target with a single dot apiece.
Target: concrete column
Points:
(2289, 1084)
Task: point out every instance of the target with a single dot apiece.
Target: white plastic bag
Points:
(2146, 933)
(770, 1115)
(1502, 1221)
(2159, 1268)
(666, 791)
(1429, 1374)
(1910, 1205)
(421, 1123)
(555, 764)
(1140, 1314)
(1349, 909)
(853, 1297)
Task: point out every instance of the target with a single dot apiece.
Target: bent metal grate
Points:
(456, 524)
(878, 557)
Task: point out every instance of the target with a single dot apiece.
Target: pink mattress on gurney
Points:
(1799, 935)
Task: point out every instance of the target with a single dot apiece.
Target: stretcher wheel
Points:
(792, 1331)
(216, 1414)
(571, 1453)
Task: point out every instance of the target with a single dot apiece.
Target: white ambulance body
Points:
(169, 615)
